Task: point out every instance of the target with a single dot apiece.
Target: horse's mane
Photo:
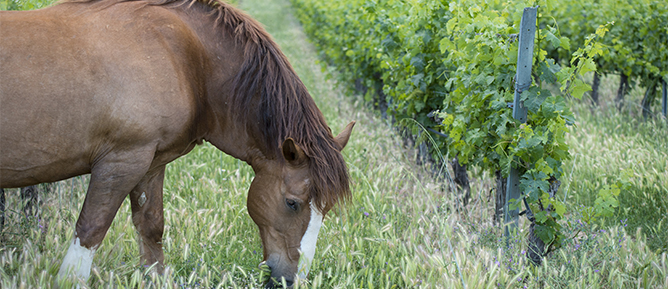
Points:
(285, 107)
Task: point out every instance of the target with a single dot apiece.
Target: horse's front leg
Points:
(147, 215)
(112, 179)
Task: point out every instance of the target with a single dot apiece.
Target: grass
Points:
(607, 141)
(399, 230)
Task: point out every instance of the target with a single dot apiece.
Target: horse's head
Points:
(280, 201)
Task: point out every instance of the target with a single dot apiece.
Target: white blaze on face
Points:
(307, 245)
(78, 261)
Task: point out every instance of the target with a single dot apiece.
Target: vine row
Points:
(450, 66)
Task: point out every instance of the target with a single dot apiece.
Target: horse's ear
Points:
(292, 153)
(344, 136)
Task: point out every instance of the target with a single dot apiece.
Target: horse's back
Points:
(79, 82)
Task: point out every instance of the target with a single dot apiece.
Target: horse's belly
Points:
(22, 176)
(41, 139)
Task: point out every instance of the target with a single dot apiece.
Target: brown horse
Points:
(124, 87)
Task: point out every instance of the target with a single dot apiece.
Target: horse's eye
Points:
(292, 204)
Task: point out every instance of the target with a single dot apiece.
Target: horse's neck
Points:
(232, 136)
(222, 126)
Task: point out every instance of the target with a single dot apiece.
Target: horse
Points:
(124, 87)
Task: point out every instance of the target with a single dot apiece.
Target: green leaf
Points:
(417, 79)
(559, 208)
(544, 167)
(533, 184)
(545, 233)
(565, 43)
(419, 105)
(578, 88)
(602, 29)
(541, 217)
(548, 70)
(534, 98)
(445, 44)
(552, 39)
(588, 66)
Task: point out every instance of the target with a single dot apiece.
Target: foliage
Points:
(636, 46)
(451, 67)
(24, 4)
(606, 202)
(607, 142)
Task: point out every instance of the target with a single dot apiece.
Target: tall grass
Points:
(606, 141)
(399, 231)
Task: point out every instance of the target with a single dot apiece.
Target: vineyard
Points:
(450, 69)
(635, 47)
(592, 156)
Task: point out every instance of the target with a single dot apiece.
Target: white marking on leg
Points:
(78, 261)
(307, 245)
(142, 199)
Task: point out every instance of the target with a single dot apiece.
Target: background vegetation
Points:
(401, 229)
(24, 5)
(450, 67)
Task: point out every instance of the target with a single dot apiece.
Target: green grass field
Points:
(398, 231)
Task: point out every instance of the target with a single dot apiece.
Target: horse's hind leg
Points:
(29, 193)
(112, 179)
(147, 215)
(2, 209)
(30, 197)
